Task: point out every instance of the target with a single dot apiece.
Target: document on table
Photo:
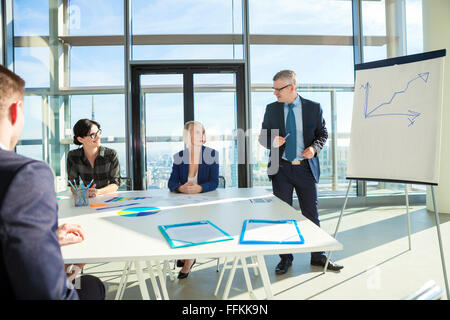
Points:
(189, 199)
(193, 233)
(271, 232)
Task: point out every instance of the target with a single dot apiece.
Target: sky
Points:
(103, 66)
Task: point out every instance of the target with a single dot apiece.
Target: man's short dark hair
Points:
(12, 87)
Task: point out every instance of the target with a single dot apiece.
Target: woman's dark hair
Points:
(82, 128)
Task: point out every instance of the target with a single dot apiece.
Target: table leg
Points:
(168, 270)
(162, 280)
(153, 280)
(230, 279)
(221, 276)
(247, 278)
(255, 269)
(264, 276)
(338, 224)
(218, 264)
(123, 280)
(140, 276)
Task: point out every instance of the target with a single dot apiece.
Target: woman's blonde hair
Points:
(187, 131)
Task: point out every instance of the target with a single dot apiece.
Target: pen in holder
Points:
(81, 193)
(81, 197)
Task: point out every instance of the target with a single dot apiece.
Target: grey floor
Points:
(376, 257)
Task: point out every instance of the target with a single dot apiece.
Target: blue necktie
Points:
(291, 140)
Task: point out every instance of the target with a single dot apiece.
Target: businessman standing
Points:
(294, 131)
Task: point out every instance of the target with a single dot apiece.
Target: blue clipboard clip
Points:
(300, 240)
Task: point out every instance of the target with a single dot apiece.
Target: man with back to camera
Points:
(294, 131)
(31, 264)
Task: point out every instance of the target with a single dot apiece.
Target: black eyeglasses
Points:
(95, 134)
(279, 89)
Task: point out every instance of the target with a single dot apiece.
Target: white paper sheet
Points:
(271, 232)
(194, 234)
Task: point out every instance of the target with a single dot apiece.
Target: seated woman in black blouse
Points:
(93, 162)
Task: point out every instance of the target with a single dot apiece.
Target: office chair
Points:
(125, 183)
(221, 182)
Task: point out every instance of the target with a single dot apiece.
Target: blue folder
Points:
(183, 242)
(300, 240)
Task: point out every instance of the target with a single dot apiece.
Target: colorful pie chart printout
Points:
(138, 211)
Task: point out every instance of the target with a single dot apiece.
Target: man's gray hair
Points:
(287, 75)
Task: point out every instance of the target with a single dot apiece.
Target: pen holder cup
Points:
(81, 198)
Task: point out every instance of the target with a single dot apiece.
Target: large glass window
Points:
(414, 27)
(314, 65)
(414, 33)
(99, 17)
(383, 30)
(187, 17)
(81, 75)
(187, 52)
(31, 18)
(260, 155)
(52, 69)
(315, 40)
(301, 17)
(220, 131)
(164, 121)
(374, 30)
(191, 29)
(32, 64)
(96, 66)
(109, 111)
(384, 24)
(31, 138)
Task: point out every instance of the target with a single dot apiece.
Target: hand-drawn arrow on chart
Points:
(411, 115)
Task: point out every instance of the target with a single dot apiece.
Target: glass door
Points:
(215, 106)
(165, 96)
(162, 99)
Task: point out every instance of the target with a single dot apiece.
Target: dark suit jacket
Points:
(31, 265)
(208, 170)
(314, 132)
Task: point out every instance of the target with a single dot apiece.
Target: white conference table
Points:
(111, 237)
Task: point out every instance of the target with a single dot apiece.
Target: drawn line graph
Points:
(411, 114)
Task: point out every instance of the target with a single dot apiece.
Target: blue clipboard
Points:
(295, 237)
(213, 234)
